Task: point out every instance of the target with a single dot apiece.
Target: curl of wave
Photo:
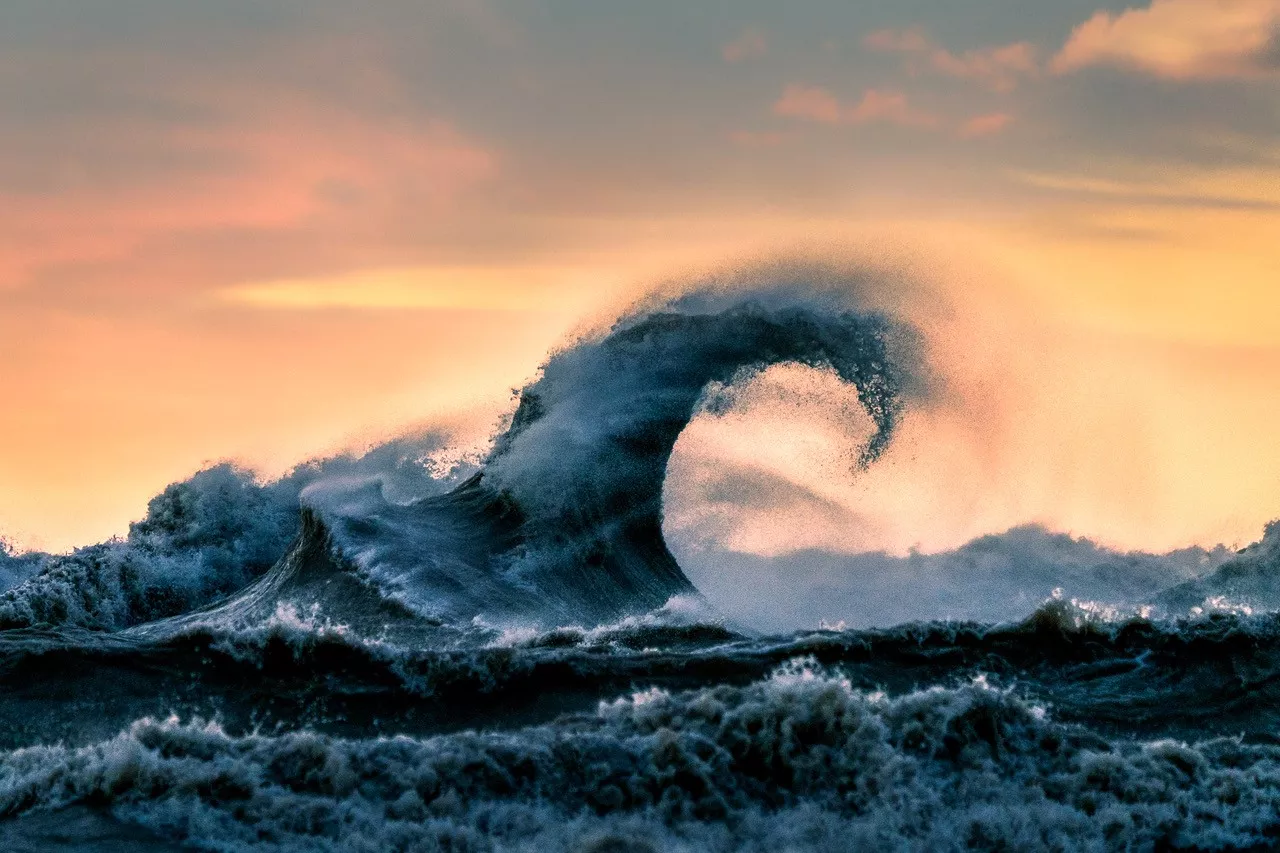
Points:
(563, 523)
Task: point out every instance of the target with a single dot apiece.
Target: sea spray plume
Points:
(564, 523)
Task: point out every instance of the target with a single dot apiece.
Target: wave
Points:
(202, 538)
(1248, 582)
(563, 520)
(800, 760)
(205, 538)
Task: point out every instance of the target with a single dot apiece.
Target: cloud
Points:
(1232, 187)
(997, 68)
(750, 44)
(810, 103)
(217, 152)
(891, 107)
(518, 289)
(813, 103)
(1179, 39)
(985, 125)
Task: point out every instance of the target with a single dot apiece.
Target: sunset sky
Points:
(264, 229)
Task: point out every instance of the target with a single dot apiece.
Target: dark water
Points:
(367, 655)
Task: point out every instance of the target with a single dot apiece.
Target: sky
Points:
(264, 229)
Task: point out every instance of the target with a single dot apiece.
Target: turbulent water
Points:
(394, 653)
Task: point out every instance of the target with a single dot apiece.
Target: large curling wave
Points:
(564, 520)
(561, 522)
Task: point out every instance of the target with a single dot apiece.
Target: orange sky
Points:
(260, 233)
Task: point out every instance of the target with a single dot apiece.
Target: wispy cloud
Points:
(891, 107)
(752, 43)
(1180, 39)
(985, 125)
(877, 106)
(424, 288)
(1178, 184)
(816, 104)
(997, 68)
(810, 103)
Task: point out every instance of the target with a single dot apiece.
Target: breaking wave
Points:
(561, 522)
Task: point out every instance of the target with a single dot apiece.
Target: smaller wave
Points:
(1247, 583)
(200, 539)
(210, 535)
